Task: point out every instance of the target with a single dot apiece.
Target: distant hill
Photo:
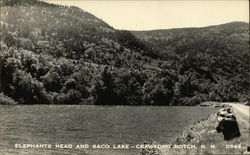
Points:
(172, 40)
(64, 55)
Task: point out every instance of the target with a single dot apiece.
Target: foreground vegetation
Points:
(52, 54)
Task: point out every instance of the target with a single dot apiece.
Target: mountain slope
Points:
(172, 39)
(218, 53)
(64, 55)
(57, 54)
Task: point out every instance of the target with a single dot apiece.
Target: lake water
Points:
(84, 124)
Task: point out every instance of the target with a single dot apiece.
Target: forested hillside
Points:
(52, 54)
(214, 60)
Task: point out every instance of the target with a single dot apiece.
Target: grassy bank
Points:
(203, 133)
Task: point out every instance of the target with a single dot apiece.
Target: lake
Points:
(86, 124)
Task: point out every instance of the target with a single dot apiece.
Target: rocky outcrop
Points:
(227, 123)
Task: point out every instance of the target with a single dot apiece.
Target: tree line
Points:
(54, 54)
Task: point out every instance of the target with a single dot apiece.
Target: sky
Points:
(163, 14)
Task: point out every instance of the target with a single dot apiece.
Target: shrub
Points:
(6, 100)
(71, 97)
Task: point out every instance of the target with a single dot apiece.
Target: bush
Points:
(189, 101)
(6, 100)
(71, 97)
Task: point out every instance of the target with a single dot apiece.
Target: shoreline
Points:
(203, 139)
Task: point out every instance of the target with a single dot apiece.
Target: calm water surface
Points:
(81, 124)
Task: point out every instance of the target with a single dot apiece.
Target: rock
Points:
(229, 128)
(227, 123)
(247, 103)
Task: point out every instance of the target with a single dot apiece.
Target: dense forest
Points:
(52, 54)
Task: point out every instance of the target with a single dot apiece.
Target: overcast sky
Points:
(164, 14)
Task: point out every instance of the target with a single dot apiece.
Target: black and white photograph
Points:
(124, 77)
